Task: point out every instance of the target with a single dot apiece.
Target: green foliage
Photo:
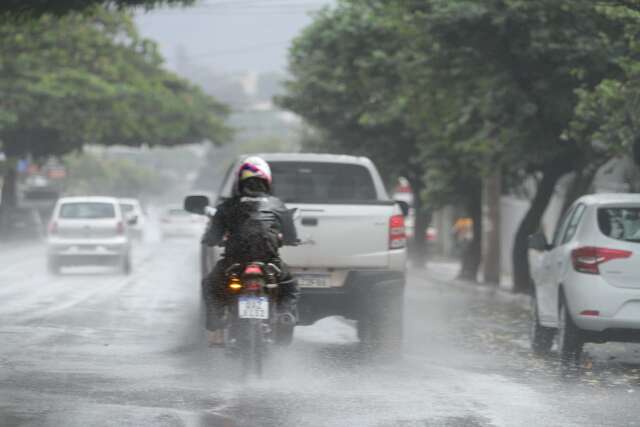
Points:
(91, 174)
(346, 82)
(35, 8)
(90, 78)
(470, 85)
(609, 114)
(450, 90)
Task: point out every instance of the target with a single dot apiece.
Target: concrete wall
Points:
(513, 210)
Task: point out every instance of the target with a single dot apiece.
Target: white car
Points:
(88, 230)
(587, 281)
(176, 222)
(134, 213)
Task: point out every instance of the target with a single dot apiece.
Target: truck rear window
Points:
(318, 182)
(620, 223)
(83, 210)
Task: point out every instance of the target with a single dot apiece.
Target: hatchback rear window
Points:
(622, 223)
(318, 182)
(126, 208)
(87, 210)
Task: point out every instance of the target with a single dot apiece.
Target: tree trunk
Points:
(9, 196)
(491, 192)
(418, 245)
(472, 256)
(582, 181)
(529, 225)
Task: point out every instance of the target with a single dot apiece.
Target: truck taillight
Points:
(588, 259)
(120, 228)
(53, 227)
(397, 235)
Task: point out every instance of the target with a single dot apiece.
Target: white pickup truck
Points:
(352, 261)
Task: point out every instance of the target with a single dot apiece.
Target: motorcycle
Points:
(253, 319)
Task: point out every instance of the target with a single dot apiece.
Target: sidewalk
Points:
(445, 272)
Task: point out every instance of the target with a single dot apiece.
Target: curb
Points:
(490, 290)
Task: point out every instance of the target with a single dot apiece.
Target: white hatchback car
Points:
(134, 214)
(88, 230)
(587, 281)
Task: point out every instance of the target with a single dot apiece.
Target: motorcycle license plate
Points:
(253, 307)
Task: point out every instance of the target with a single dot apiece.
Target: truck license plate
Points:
(251, 307)
(314, 281)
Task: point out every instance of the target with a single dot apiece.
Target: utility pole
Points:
(491, 192)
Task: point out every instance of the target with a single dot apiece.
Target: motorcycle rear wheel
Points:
(251, 345)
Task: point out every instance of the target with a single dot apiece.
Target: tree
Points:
(345, 82)
(91, 174)
(523, 64)
(90, 78)
(35, 8)
(495, 82)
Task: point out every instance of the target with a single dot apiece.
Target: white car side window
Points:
(573, 223)
(562, 225)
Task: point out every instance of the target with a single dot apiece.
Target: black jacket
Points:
(254, 227)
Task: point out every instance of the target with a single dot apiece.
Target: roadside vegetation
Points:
(75, 73)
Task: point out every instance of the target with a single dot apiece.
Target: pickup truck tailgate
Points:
(337, 236)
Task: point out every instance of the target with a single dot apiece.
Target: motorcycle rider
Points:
(253, 224)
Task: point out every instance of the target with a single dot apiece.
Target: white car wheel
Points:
(541, 337)
(570, 339)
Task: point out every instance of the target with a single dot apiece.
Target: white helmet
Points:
(254, 167)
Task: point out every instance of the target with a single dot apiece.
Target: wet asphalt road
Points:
(92, 347)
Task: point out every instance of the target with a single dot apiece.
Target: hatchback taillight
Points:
(588, 259)
(397, 234)
(120, 228)
(53, 227)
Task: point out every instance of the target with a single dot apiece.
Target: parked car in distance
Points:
(587, 280)
(88, 231)
(176, 222)
(133, 212)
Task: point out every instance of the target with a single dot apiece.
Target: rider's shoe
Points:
(215, 338)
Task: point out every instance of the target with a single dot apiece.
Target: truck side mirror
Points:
(404, 207)
(196, 204)
(538, 242)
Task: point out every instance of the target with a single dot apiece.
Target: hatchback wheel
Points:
(125, 266)
(570, 338)
(541, 337)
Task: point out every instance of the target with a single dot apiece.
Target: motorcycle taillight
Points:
(253, 269)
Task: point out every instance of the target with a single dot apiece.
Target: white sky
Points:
(230, 35)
